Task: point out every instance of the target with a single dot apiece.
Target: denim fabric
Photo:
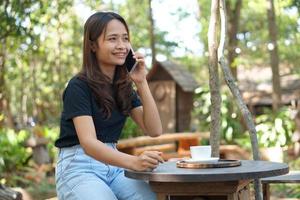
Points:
(80, 177)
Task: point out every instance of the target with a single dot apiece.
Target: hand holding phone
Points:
(130, 62)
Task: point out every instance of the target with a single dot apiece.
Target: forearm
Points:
(146, 161)
(100, 151)
(151, 117)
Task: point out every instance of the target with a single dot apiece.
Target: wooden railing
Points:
(171, 144)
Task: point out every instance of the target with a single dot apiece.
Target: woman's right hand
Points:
(148, 160)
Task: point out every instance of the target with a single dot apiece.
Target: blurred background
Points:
(41, 49)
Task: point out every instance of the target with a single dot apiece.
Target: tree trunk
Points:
(214, 82)
(151, 33)
(2, 83)
(23, 98)
(273, 49)
(58, 61)
(238, 97)
(34, 88)
(4, 99)
(233, 26)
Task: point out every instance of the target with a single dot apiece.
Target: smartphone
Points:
(130, 62)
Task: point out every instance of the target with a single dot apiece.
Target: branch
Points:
(223, 29)
(233, 87)
(238, 97)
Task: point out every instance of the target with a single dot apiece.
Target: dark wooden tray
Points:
(200, 165)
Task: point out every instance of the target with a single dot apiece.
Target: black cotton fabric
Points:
(78, 100)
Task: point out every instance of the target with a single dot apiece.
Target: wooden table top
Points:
(292, 177)
(249, 169)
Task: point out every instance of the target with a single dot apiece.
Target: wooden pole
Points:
(214, 83)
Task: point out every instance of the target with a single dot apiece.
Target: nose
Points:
(121, 44)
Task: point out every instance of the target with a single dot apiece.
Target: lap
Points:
(86, 189)
(125, 188)
(80, 177)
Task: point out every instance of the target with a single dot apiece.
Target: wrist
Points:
(133, 163)
(141, 84)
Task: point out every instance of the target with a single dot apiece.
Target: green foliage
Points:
(136, 13)
(201, 111)
(13, 15)
(16, 166)
(286, 190)
(275, 129)
(198, 66)
(294, 164)
(253, 36)
(51, 134)
(131, 129)
(12, 153)
(231, 127)
(47, 37)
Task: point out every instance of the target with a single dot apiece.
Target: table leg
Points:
(161, 196)
(266, 191)
(230, 190)
(244, 193)
(233, 196)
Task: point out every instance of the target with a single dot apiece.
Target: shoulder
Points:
(77, 82)
(77, 86)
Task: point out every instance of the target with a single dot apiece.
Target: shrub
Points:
(231, 127)
(131, 129)
(275, 129)
(13, 154)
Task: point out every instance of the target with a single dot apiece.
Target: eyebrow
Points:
(115, 34)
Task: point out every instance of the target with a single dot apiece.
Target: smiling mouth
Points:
(120, 55)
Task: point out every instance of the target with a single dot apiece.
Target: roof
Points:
(180, 75)
(256, 86)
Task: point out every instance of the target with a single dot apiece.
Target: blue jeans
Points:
(80, 177)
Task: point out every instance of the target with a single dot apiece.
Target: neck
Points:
(108, 71)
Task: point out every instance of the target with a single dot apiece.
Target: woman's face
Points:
(112, 45)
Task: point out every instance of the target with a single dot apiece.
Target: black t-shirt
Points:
(78, 100)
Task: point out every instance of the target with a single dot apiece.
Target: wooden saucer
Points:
(202, 164)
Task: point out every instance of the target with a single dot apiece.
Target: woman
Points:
(96, 104)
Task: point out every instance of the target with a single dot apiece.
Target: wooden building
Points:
(256, 87)
(173, 88)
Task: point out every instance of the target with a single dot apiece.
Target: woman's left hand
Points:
(138, 75)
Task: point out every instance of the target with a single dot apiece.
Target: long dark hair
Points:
(120, 94)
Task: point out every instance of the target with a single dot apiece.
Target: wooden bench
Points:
(292, 177)
(171, 144)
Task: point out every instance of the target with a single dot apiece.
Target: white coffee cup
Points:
(200, 152)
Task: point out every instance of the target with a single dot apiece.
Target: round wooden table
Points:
(229, 182)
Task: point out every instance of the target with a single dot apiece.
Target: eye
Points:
(112, 38)
(126, 39)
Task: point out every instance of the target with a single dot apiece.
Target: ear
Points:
(93, 46)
